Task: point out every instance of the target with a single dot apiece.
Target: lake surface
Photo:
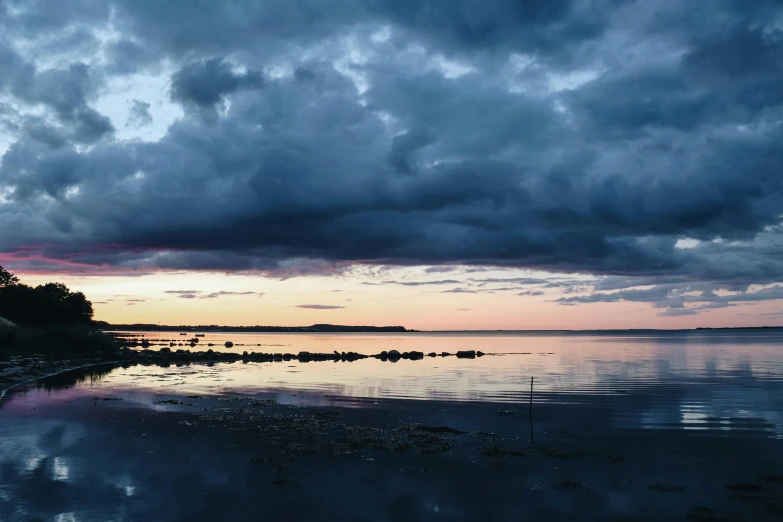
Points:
(698, 410)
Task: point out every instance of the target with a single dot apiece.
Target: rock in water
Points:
(229, 344)
(467, 354)
(394, 355)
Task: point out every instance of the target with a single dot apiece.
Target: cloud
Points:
(205, 84)
(404, 146)
(560, 136)
(320, 307)
(198, 294)
(413, 283)
(459, 290)
(678, 300)
(214, 295)
(139, 114)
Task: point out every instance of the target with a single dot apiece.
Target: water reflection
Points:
(672, 413)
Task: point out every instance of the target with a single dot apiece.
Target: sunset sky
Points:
(435, 164)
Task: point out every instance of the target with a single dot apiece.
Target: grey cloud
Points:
(139, 114)
(403, 148)
(198, 294)
(205, 84)
(676, 298)
(66, 91)
(128, 57)
(320, 307)
(440, 269)
(214, 295)
(414, 283)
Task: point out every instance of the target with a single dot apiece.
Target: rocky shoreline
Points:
(211, 355)
(19, 370)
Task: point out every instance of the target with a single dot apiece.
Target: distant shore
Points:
(333, 328)
(250, 329)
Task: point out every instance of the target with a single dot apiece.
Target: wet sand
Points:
(136, 456)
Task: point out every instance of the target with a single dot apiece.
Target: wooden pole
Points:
(532, 440)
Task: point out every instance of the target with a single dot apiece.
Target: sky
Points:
(490, 164)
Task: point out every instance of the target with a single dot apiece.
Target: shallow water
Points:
(700, 411)
(715, 380)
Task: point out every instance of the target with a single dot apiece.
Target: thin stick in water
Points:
(532, 440)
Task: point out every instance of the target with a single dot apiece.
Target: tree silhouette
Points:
(75, 304)
(7, 278)
(46, 305)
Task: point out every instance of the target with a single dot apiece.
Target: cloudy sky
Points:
(432, 163)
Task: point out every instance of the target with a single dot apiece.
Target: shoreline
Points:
(41, 369)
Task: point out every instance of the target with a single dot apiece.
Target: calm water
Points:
(699, 410)
(709, 381)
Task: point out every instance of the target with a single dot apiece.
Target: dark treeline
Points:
(51, 304)
(49, 320)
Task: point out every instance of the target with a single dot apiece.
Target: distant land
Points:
(249, 329)
(336, 328)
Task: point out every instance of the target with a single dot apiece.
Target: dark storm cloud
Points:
(403, 148)
(205, 84)
(564, 136)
